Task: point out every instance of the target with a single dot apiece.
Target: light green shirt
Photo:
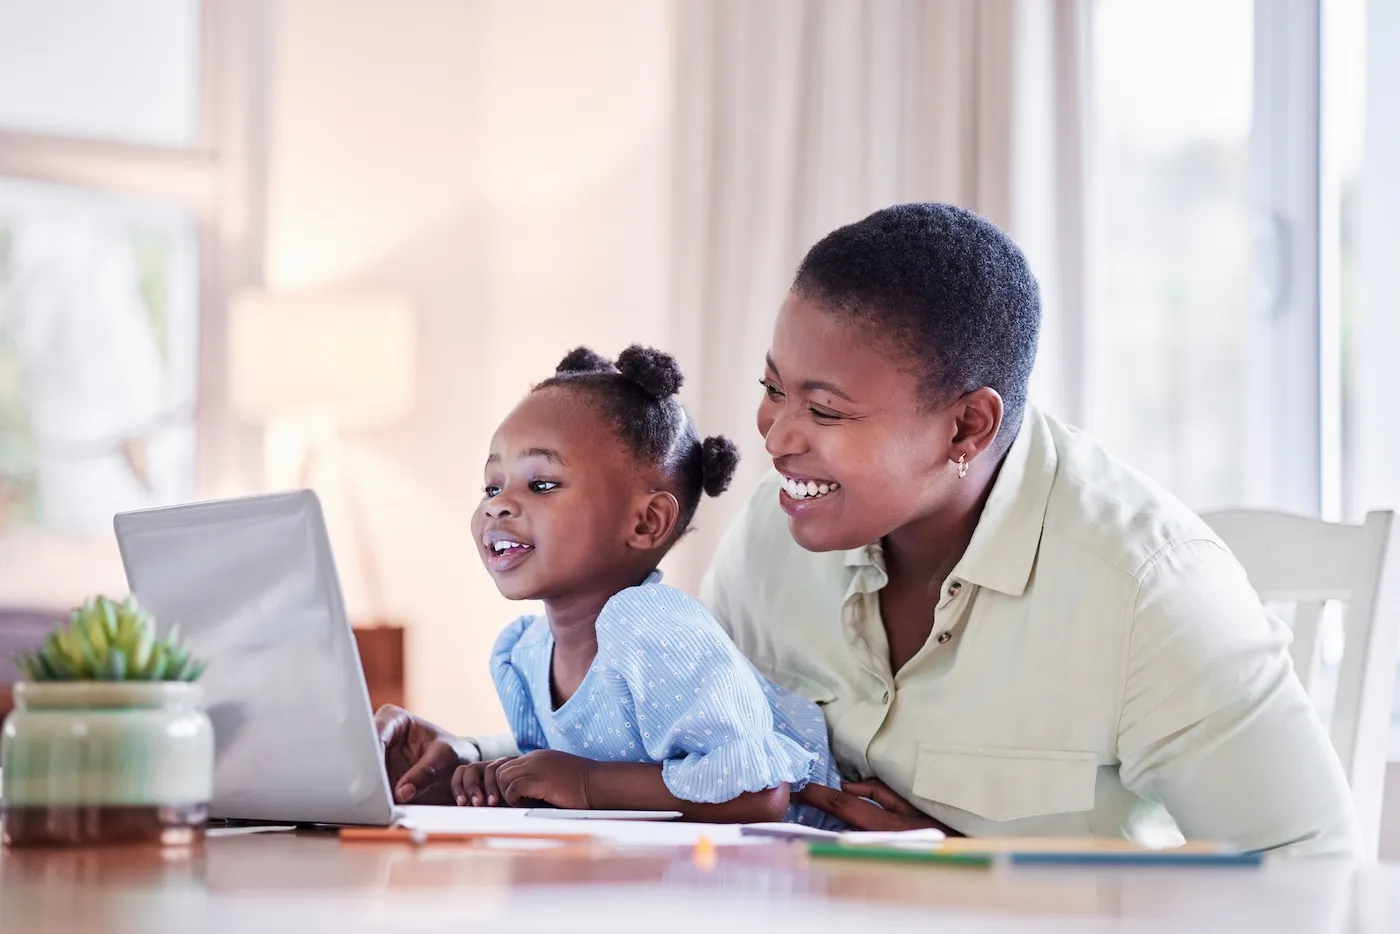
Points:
(1097, 655)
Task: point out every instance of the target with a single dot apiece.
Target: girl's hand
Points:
(889, 813)
(556, 778)
(419, 756)
(475, 785)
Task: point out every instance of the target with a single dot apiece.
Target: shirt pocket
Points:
(1005, 784)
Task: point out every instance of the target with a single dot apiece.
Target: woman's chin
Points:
(813, 534)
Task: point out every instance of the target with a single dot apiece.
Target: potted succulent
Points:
(108, 742)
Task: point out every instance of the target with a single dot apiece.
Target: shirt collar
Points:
(1007, 538)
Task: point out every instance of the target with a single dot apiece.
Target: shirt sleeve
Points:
(1215, 724)
(700, 709)
(514, 693)
(495, 746)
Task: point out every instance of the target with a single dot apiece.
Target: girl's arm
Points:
(569, 781)
(638, 786)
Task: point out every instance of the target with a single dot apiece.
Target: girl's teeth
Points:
(823, 489)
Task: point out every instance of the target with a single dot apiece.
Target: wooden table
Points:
(308, 882)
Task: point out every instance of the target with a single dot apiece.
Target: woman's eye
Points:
(771, 389)
(542, 486)
(824, 416)
(492, 492)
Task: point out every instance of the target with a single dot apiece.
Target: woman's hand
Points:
(475, 785)
(555, 778)
(419, 757)
(889, 813)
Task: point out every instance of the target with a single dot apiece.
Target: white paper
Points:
(617, 832)
(253, 828)
(913, 839)
(787, 831)
(572, 814)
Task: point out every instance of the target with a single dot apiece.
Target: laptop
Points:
(253, 586)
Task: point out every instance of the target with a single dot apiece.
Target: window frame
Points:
(220, 180)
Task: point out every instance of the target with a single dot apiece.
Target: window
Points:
(125, 194)
(1170, 223)
(98, 326)
(1226, 225)
(123, 71)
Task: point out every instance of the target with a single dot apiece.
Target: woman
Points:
(1010, 632)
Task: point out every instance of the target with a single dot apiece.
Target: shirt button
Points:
(954, 587)
(944, 637)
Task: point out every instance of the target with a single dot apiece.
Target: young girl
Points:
(625, 693)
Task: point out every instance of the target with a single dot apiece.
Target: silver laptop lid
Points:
(253, 584)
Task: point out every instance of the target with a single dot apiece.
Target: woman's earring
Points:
(962, 465)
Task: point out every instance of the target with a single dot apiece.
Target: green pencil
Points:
(895, 854)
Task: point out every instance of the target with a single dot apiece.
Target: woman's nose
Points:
(783, 438)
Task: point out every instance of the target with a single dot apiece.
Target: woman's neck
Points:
(928, 549)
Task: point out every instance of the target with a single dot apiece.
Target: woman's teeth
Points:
(502, 547)
(809, 489)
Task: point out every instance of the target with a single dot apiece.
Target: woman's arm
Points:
(1215, 723)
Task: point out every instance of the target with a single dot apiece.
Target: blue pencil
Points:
(1148, 858)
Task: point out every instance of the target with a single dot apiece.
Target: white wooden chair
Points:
(1308, 562)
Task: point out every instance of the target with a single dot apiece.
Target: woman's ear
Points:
(978, 419)
(656, 518)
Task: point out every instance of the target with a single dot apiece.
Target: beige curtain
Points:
(796, 116)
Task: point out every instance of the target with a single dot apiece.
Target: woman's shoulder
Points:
(1107, 508)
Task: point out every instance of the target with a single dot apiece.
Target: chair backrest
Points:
(1309, 562)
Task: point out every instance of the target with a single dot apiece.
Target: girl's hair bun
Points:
(719, 458)
(657, 373)
(582, 360)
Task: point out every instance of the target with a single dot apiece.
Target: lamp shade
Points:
(347, 356)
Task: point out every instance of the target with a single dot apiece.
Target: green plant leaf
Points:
(159, 660)
(46, 672)
(141, 653)
(109, 617)
(54, 661)
(104, 640)
(90, 665)
(96, 631)
(28, 666)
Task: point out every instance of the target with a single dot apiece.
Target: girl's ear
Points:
(654, 520)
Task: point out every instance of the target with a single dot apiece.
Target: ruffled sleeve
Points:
(699, 707)
(513, 689)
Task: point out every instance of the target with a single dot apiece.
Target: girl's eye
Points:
(823, 416)
(492, 492)
(542, 486)
(771, 389)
